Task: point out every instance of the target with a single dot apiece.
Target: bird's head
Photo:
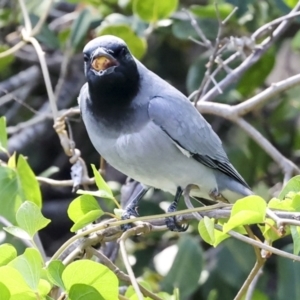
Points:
(109, 66)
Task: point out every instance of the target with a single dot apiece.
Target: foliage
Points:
(164, 34)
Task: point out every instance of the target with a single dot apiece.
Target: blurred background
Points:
(162, 41)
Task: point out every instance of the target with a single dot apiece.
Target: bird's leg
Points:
(217, 196)
(171, 222)
(131, 208)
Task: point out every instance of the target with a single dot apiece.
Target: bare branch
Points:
(251, 59)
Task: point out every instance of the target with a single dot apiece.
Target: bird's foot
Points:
(171, 222)
(173, 225)
(217, 196)
(127, 214)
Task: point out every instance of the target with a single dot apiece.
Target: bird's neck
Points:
(112, 103)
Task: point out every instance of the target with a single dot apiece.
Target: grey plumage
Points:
(149, 130)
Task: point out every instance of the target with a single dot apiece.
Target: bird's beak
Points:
(101, 60)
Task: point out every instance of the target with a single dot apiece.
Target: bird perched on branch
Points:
(150, 131)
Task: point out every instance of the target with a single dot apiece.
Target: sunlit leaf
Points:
(29, 264)
(18, 232)
(153, 10)
(81, 206)
(14, 281)
(3, 135)
(7, 253)
(82, 291)
(209, 11)
(28, 182)
(4, 292)
(136, 44)
(293, 185)
(30, 218)
(94, 274)
(207, 230)
(54, 271)
(249, 210)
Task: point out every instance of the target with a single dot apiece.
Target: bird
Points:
(148, 130)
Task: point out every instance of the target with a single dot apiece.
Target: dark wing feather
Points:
(180, 120)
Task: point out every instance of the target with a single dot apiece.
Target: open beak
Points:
(101, 60)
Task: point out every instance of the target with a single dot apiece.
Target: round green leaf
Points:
(94, 274)
(4, 292)
(30, 218)
(293, 185)
(18, 232)
(86, 219)
(207, 230)
(28, 182)
(249, 210)
(153, 10)
(13, 280)
(54, 271)
(84, 292)
(7, 253)
(209, 11)
(137, 45)
(82, 205)
(29, 264)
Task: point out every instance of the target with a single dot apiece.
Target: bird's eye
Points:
(86, 58)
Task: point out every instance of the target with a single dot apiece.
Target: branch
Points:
(251, 59)
(120, 274)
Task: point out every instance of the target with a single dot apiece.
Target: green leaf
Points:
(82, 205)
(6, 61)
(3, 135)
(30, 218)
(296, 41)
(54, 271)
(290, 3)
(209, 11)
(4, 292)
(255, 76)
(249, 210)
(136, 45)
(18, 232)
(268, 230)
(153, 10)
(80, 27)
(29, 264)
(7, 253)
(86, 219)
(14, 281)
(28, 182)
(295, 231)
(44, 287)
(93, 274)
(100, 182)
(293, 185)
(207, 230)
(10, 199)
(187, 248)
(288, 277)
(45, 36)
(286, 204)
(82, 291)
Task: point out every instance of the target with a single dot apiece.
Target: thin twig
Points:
(251, 59)
(256, 269)
(129, 270)
(120, 274)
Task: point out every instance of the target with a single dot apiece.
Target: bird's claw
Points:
(173, 225)
(127, 214)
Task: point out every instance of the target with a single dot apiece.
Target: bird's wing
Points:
(190, 132)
